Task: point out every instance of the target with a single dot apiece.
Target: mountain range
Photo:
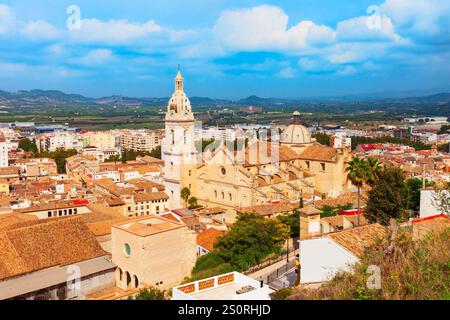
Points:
(51, 98)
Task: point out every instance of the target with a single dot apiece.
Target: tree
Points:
(332, 211)
(357, 170)
(441, 200)
(193, 203)
(150, 294)
(113, 158)
(413, 186)
(373, 171)
(251, 239)
(27, 145)
(388, 198)
(322, 138)
(59, 156)
(156, 152)
(292, 220)
(185, 194)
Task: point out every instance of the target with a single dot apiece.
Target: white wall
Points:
(322, 258)
(427, 208)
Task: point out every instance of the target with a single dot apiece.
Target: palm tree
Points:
(357, 170)
(185, 194)
(373, 171)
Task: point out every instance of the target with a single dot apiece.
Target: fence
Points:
(280, 271)
(268, 262)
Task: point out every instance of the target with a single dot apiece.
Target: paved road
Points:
(264, 273)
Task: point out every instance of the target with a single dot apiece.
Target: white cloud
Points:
(112, 31)
(95, 57)
(357, 29)
(40, 30)
(286, 73)
(7, 19)
(265, 28)
(427, 20)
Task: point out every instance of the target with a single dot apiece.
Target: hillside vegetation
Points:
(413, 270)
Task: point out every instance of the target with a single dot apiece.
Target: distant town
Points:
(200, 208)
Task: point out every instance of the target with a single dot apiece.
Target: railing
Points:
(280, 271)
(268, 262)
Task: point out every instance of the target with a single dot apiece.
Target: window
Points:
(223, 171)
(190, 173)
(215, 193)
(322, 165)
(70, 211)
(230, 196)
(223, 195)
(127, 249)
(307, 164)
(75, 211)
(49, 214)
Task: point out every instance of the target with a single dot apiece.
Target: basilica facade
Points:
(262, 171)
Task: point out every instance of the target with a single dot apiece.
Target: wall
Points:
(321, 259)
(427, 208)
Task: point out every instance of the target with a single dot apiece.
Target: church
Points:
(294, 167)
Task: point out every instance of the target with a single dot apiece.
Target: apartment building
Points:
(140, 140)
(59, 140)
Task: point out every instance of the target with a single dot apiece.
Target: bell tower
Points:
(178, 148)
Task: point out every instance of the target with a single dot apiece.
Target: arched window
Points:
(172, 135)
(230, 196)
(128, 279)
(135, 281)
(215, 193)
(223, 195)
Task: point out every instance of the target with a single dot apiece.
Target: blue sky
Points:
(227, 48)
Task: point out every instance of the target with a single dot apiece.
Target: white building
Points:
(3, 151)
(140, 140)
(340, 140)
(428, 203)
(230, 286)
(59, 140)
(322, 258)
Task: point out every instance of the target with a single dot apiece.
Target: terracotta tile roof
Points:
(149, 196)
(421, 227)
(5, 171)
(349, 197)
(309, 210)
(53, 242)
(358, 239)
(319, 153)
(269, 208)
(10, 220)
(150, 159)
(209, 237)
(260, 153)
(337, 221)
(354, 219)
(148, 226)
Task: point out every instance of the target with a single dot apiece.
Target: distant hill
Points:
(52, 98)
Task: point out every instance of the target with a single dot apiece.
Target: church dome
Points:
(296, 133)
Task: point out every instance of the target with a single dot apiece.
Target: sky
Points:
(226, 48)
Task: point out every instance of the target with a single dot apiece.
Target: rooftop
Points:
(358, 239)
(45, 244)
(148, 226)
(208, 238)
